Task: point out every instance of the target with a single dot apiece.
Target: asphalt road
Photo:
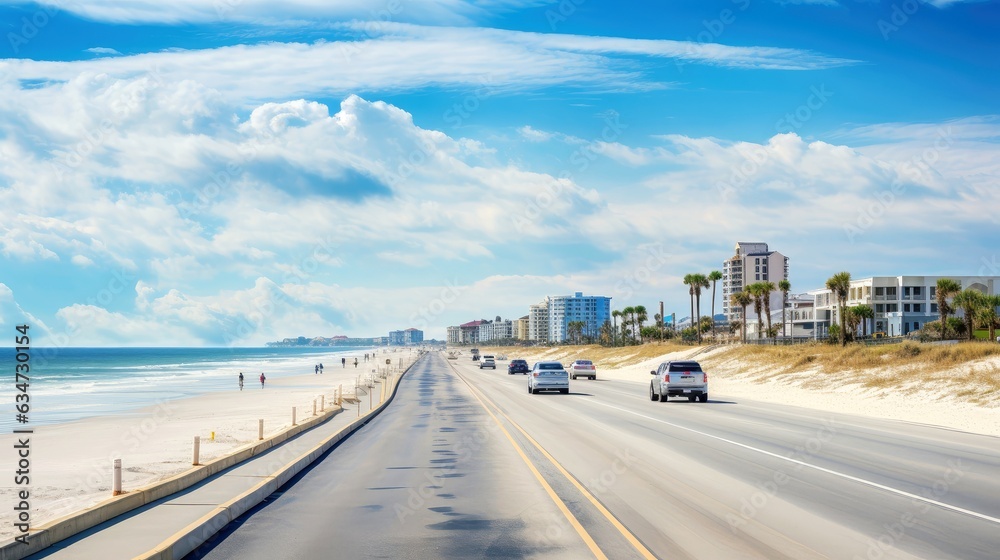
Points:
(465, 463)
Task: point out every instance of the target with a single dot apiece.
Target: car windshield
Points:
(685, 367)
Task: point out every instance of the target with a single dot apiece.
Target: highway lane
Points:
(433, 476)
(723, 479)
(762, 480)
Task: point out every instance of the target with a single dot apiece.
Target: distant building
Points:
(753, 262)
(490, 331)
(521, 327)
(902, 304)
(454, 335)
(538, 321)
(469, 332)
(592, 311)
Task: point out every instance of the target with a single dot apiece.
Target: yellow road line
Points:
(587, 539)
(642, 550)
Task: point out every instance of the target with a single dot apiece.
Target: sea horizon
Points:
(73, 383)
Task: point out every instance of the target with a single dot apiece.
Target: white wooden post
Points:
(260, 429)
(197, 450)
(116, 478)
(293, 415)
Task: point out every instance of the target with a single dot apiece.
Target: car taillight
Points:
(706, 376)
(534, 374)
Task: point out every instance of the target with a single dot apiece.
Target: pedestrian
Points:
(316, 369)
(355, 362)
(321, 368)
(262, 378)
(343, 362)
(241, 381)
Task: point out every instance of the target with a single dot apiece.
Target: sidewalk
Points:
(140, 531)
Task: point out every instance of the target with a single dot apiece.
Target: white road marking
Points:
(811, 466)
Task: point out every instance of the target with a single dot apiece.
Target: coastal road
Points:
(466, 463)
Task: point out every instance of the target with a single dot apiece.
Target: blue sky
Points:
(234, 172)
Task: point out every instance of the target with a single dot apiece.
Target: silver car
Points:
(548, 376)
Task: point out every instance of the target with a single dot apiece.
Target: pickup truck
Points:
(679, 379)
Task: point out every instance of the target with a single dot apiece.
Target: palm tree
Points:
(946, 287)
(614, 326)
(742, 299)
(756, 291)
(627, 320)
(607, 333)
(640, 318)
(714, 276)
(970, 301)
(575, 330)
(698, 281)
(865, 313)
(988, 316)
(785, 286)
(766, 288)
(840, 286)
(852, 319)
(689, 281)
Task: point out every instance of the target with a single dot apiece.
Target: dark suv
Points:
(518, 366)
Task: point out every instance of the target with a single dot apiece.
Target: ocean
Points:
(69, 384)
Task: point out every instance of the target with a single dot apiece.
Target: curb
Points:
(181, 543)
(67, 526)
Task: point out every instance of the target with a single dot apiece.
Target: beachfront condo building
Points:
(521, 328)
(902, 304)
(538, 321)
(499, 329)
(408, 337)
(592, 311)
(752, 262)
(454, 335)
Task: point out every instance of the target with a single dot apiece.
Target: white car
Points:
(583, 368)
(679, 379)
(488, 362)
(548, 376)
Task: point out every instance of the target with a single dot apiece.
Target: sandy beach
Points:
(71, 462)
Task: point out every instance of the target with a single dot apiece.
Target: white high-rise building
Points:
(538, 321)
(753, 262)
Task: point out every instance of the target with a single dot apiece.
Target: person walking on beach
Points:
(355, 362)
(316, 369)
(262, 378)
(241, 381)
(321, 368)
(343, 362)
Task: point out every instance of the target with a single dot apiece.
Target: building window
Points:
(917, 308)
(891, 291)
(906, 307)
(934, 307)
(879, 291)
(933, 291)
(758, 276)
(879, 308)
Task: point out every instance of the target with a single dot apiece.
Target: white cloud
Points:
(103, 50)
(264, 12)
